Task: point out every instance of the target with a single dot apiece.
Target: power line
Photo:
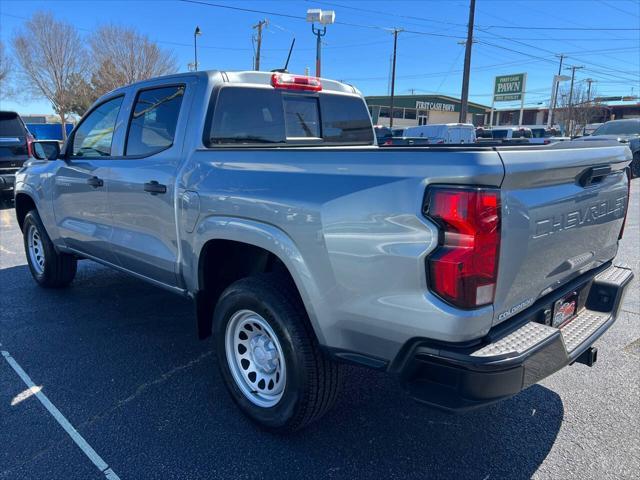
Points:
(586, 29)
(390, 14)
(551, 39)
(299, 17)
(626, 12)
(551, 52)
(444, 22)
(440, 74)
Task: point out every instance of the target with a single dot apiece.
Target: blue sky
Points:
(511, 38)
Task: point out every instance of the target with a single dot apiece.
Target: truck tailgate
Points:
(562, 210)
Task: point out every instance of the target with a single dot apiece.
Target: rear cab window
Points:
(13, 137)
(11, 125)
(256, 115)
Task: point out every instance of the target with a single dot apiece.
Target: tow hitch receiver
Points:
(588, 357)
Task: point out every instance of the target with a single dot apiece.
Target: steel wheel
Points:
(36, 249)
(255, 358)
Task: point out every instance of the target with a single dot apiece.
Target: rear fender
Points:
(267, 237)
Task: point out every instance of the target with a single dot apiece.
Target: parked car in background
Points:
(541, 134)
(510, 133)
(483, 133)
(405, 142)
(590, 128)
(625, 131)
(15, 148)
(382, 134)
(439, 133)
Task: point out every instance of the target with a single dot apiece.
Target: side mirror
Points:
(46, 150)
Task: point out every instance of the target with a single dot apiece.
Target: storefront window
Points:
(410, 113)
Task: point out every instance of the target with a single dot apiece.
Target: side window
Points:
(154, 119)
(345, 120)
(94, 135)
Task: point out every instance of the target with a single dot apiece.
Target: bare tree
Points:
(123, 55)
(51, 54)
(582, 110)
(6, 66)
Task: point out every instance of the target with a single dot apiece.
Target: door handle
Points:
(95, 182)
(154, 188)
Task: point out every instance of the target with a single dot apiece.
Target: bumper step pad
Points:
(519, 341)
(574, 333)
(518, 355)
(581, 328)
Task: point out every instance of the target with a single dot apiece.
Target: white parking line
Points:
(64, 423)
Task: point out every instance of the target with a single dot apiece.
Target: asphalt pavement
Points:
(121, 362)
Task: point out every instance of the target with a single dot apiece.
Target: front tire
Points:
(268, 356)
(49, 268)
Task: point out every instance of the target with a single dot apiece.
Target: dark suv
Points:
(625, 131)
(15, 148)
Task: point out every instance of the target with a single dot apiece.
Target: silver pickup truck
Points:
(469, 272)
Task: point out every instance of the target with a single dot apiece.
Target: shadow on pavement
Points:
(153, 403)
(6, 202)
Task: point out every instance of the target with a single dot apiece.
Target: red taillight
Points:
(295, 82)
(463, 270)
(626, 206)
(388, 142)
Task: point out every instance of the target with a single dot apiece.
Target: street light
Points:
(555, 87)
(323, 17)
(196, 34)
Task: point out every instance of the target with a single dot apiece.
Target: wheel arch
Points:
(24, 203)
(251, 247)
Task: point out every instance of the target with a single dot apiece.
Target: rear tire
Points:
(262, 331)
(49, 268)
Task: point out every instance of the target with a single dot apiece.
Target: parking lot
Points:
(121, 362)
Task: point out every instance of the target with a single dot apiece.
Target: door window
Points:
(94, 135)
(154, 120)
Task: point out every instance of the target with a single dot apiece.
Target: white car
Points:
(510, 133)
(439, 133)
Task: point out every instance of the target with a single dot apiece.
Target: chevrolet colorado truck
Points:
(469, 272)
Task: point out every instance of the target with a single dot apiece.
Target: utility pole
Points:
(589, 82)
(555, 92)
(573, 76)
(464, 100)
(259, 26)
(393, 73)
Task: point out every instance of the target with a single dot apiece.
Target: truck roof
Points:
(246, 77)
